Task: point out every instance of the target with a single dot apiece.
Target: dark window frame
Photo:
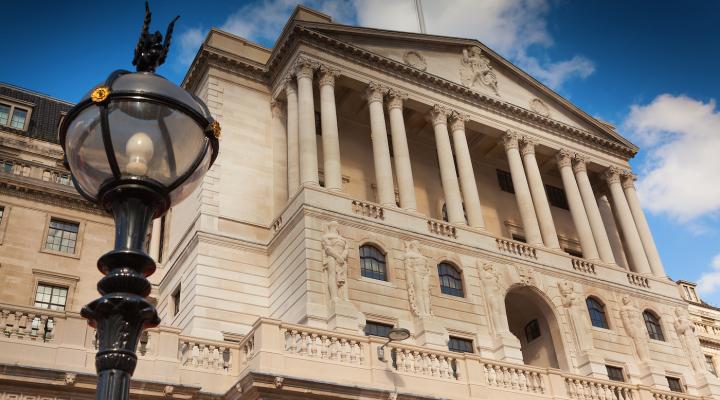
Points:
(451, 279)
(653, 325)
(615, 373)
(176, 300)
(461, 345)
(504, 179)
(62, 236)
(675, 384)
(596, 311)
(710, 364)
(379, 329)
(556, 197)
(55, 291)
(532, 330)
(373, 262)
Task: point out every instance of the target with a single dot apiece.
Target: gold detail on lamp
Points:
(100, 94)
(215, 127)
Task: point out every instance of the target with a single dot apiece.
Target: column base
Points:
(502, 346)
(431, 333)
(592, 365)
(344, 317)
(707, 385)
(651, 375)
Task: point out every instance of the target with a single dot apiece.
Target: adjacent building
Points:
(367, 180)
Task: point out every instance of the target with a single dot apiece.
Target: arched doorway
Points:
(532, 320)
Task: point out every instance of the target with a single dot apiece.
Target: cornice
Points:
(45, 192)
(209, 56)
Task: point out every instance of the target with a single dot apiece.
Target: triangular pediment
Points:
(469, 63)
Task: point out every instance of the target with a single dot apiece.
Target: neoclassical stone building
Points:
(367, 180)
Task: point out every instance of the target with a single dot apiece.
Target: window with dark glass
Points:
(710, 364)
(518, 238)
(13, 116)
(556, 197)
(7, 166)
(18, 118)
(2, 213)
(372, 263)
(615, 373)
(450, 280)
(674, 384)
(505, 181)
(532, 330)
(62, 236)
(597, 313)
(51, 297)
(4, 114)
(377, 329)
(176, 301)
(573, 252)
(652, 323)
(460, 345)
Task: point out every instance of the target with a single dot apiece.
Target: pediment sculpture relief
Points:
(415, 60)
(335, 253)
(539, 107)
(476, 71)
(417, 274)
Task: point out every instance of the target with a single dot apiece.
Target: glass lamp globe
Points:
(139, 130)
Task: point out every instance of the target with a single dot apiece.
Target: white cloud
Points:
(709, 282)
(681, 173)
(190, 41)
(510, 27)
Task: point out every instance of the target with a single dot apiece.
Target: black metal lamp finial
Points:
(151, 51)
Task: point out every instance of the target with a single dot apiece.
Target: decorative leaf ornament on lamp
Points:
(136, 145)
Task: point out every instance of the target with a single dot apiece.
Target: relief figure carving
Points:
(335, 253)
(475, 69)
(635, 328)
(577, 313)
(494, 296)
(417, 273)
(691, 345)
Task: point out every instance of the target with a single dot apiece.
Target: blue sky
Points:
(650, 68)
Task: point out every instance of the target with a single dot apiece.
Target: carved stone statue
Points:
(494, 296)
(335, 252)
(578, 315)
(635, 329)
(417, 273)
(691, 345)
(475, 68)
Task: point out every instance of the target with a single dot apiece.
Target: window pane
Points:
(372, 263)
(51, 297)
(652, 323)
(460, 345)
(597, 313)
(18, 119)
(674, 384)
(505, 181)
(615, 373)
(62, 236)
(710, 364)
(4, 114)
(450, 280)
(532, 330)
(377, 329)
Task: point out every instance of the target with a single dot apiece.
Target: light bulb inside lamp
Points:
(139, 150)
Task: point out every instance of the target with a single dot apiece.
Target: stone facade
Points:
(369, 179)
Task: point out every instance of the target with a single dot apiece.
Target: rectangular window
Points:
(615, 373)
(710, 364)
(518, 238)
(573, 252)
(4, 114)
(505, 181)
(176, 301)
(7, 166)
(674, 384)
(556, 197)
(532, 330)
(377, 329)
(460, 345)
(62, 236)
(18, 118)
(51, 297)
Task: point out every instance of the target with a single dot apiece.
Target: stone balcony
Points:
(278, 356)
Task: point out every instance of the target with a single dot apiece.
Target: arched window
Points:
(372, 263)
(450, 280)
(597, 313)
(652, 323)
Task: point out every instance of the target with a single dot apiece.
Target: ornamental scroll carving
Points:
(475, 69)
(417, 272)
(335, 253)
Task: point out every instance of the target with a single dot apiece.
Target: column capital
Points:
(457, 121)
(395, 98)
(375, 92)
(278, 108)
(511, 139)
(612, 175)
(564, 158)
(527, 145)
(305, 67)
(579, 163)
(439, 115)
(327, 75)
(627, 179)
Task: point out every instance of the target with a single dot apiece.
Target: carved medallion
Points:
(415, 60)
(539, 107)
(476, 71)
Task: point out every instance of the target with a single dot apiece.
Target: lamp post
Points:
(394, 335)
(136, 145)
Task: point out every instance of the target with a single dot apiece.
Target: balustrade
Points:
(325, 345)
(673, 396)
(516, 248)
(581, 265)
(513, 377)
(426, 363)
(585, 389)
(442, 228)
(638, 280)
(368, 209)
(706, 329)
(27, 324)
(204, 355)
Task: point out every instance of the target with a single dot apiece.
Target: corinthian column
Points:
(593, 212)
(638, 259)
(628, 184)
(522, 191)
(328, 121)
(577, 209)
(293, 140)
(304, 70)
(403, 171)
(537, 189)
(448, 176)
(468, 185)
(381, 149)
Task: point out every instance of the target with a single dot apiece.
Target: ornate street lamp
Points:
(394, 335)
(136, 144)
